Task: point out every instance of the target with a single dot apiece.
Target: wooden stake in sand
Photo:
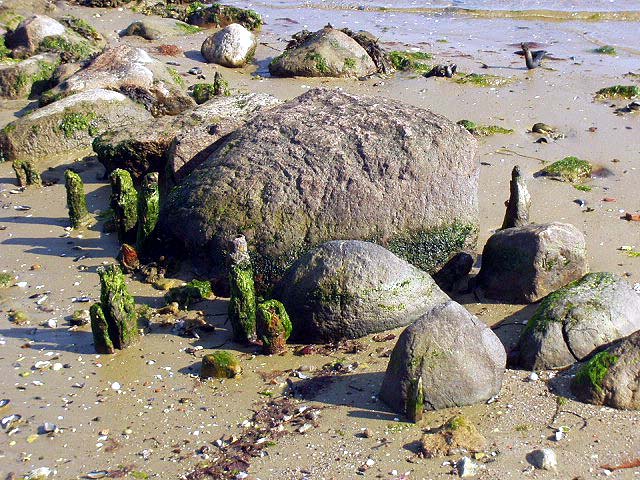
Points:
(519, 202)
(76, 199)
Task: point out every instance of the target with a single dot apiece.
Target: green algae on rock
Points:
(483, 80)
(569, 169)
(410, 61)
(218, 15)
(457, 434)
(203, 92)
(114, 321)
(221, 364)
(190, 293)
(606, 50)
(242, 304)
(124, 203)
(148, 209)
(273, 326)
(483, 130)
(69, 50)
(619, 91)
(6, 279)
(76, 199)
(27, 78)
(594, 371)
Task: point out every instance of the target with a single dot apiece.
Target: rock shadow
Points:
(62, 340)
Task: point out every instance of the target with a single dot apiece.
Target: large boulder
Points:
(612, 377)
(523, 264)
(31, 32)
(572, 322)
(28, 77)
(325, 53)
(329, 165)
(349, 289)
(169, 143)
(46, 137)
(446, 358)
(233, 46)
(133, 72)
(152, 28)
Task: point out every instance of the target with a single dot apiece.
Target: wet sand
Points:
(163, 414)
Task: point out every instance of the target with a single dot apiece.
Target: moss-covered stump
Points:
(76, 199)
(242, 304)
(221, 364)
(124, 203)
(46, 136)
(523, 264)
(519, 203)
(612, 377)
(619, 91)
(273, 326)
(133, 72)
(203, 92)
(573, 321)
(114, 321)
(29, 77)
(220, 16)
(348, 289)
(569, 169)
(325, 53)
(190, 293)
(456, 436)
(455, 357)
(148, 209)
(330, 165)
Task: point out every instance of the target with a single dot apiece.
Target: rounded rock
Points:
(233, 46)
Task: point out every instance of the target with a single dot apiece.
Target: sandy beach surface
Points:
(143, 412)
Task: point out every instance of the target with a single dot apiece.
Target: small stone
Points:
(57, 366)
(467, 468)
(80, 317)
(51, 323)
(543, 459)
(221, 364)
(115, 386)
(534, 377)
(367, 433)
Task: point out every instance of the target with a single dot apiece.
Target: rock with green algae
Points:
(29, 77)
(484, 130)
(242, 304)
(483, 80)
(151, 28)
(273, 326)
(218, 15)
(455, 435)
(523, 264)
(612, 376)
(6, 279)
(114, 321)
(254, 182)
(606, 50)
(410, 61)
(76, 199)
(348, 289)
(458, 358)
(148, 209)
(18, 317)
(569, 169)
(190, 293)
(221, 364)
(124, 203)
(47, 136)
(203, 92)
(619, 91)
(573, 321)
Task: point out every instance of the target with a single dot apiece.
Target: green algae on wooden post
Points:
(114, 321)
(242, 304)
(124, 203)
(273, 326)
(148, 208)
(76, 199)
(221, 364)
(415, 400)
(26, 173)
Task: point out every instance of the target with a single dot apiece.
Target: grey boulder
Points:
(575, 320)
(349, 289)
(233, 46)
(31, 32)
(325, 53)
(28, 77)
(523, 264)
(612, 377)
(329, 165)
(457, 359)
(151, 28)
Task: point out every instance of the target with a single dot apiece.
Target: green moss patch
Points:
(569, 169)
(188, 29)
(74, 122)
(69, 51)
(320, 62)
(483, 80)
(188, 294)
(177, 78)
(6, 280)
(221, 364)
(484, 130)
(81, 27)
(410, 61)
(595, 370)
(223, 15)
(606, 50)
(619, 91)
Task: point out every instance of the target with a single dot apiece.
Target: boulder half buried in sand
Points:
(523, 264)
(349, 289)
(331, 165)
(446, 358)
(233, 46)
(573, 321)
